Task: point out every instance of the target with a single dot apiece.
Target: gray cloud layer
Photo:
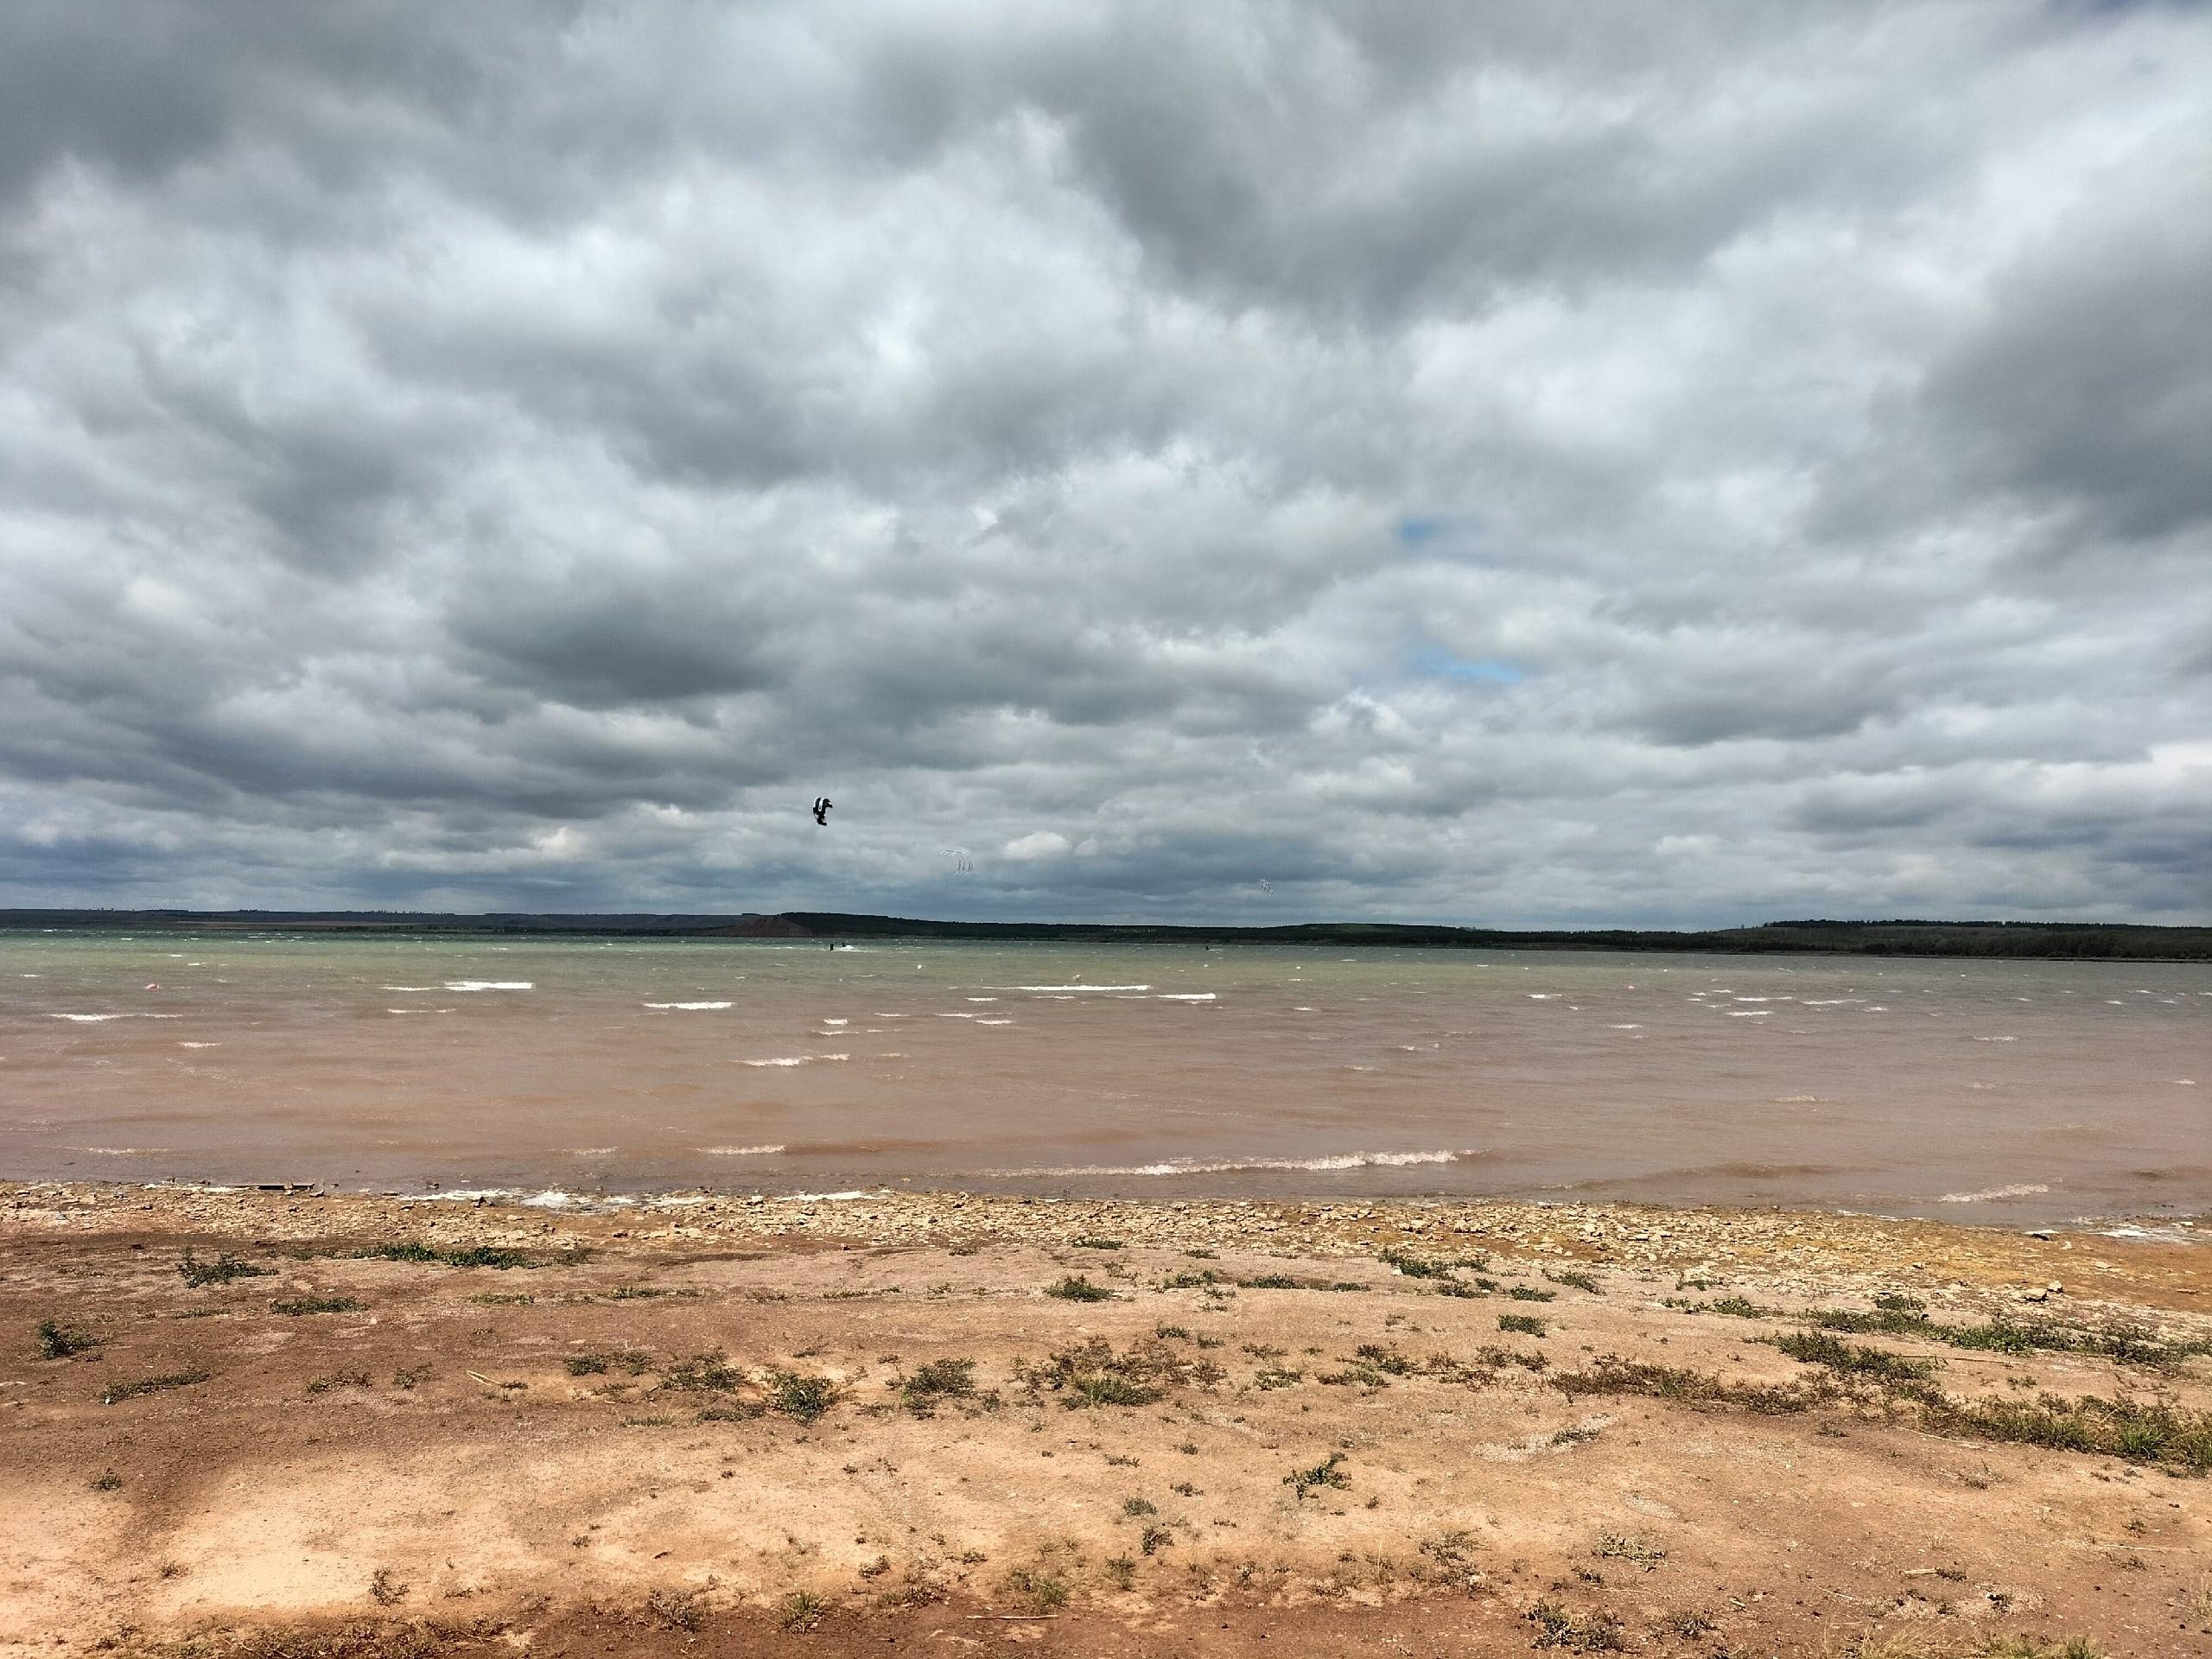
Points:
(1506, 463)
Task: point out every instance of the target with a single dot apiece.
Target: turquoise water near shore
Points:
(2025, 1092)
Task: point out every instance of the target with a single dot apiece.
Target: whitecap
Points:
(995, 1022)
(1996, 1039)
(1748, 1014)
(1230, 1166)
(742, 1152)
(687, 1005)
(1051, 988)
(199, 1045)
(1624, 1027)
(820, 1198)
(407, 988)
(2018, 1189)
(488, 985)
(588, 1151)
(795, 1059)
(1185, 996)
(982, 999)
(94, 1019)
(825, 1021)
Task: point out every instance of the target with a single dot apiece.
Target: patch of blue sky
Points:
(1435, 662)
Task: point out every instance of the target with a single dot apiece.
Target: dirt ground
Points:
(733, 1426)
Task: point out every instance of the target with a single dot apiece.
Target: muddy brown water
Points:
(2023, 1093)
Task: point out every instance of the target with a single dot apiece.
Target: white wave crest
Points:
(2018, 1189)
(489, 985)
(1230, 1166)
(1185, 996)
(795, 1059)
(1051, 989)
(742, 1152)
(687, 1005)
(94, 1019)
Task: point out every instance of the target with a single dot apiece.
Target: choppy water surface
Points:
(2012, 1091)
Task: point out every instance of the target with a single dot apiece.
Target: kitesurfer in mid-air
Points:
(822, 805)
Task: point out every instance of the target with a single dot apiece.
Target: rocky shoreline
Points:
(274, 1423)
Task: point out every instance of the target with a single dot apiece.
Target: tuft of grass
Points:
(224, 1269)
(106, 1481)
(1324, 1473)
(505, 1298)
(2138, 1431)
(1819, 1348)
(386, 1589)
(1454, 1288)
(1526, 1325)
(1530, 1294)
(1122, 1572)
(1091, 1242)
(650, 1293)
(709, 1372)
(469, 1256)
(408, 1376)
(1154, 1538)
(341, 1380)
(674, 1609)
(1093, 1374)
(801, 1611)
(800, 1396)
(120, 1391)
(1576, 1278)
(1043, 1592)
(296, 1306)
(599, 1364)
(58, 1341)
(941, 1379)
(1133, 1507)
(1076, 1288)
(1613, 1374)
(1275, 1377)
(1557, 1628)
(1625, 1547)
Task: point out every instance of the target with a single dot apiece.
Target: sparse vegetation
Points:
(121, 1391)
(1819, 1348)
(296, 1306)
(1076, 1288)
(709, 1372)
(340, 1380)
(801, 1611)
(599, 1364)
(58, 1341)
(941, 1379)
(1530, 1294)
(470, 1256)
(674, 1609)
(224, 1269)
(408, 1376)
(1577, 1279)
(1093, 1374)
(386, 1589)
(1090, 1242)
(1324, 1473)
(1526, 1325)
(1045, 1592)
(1625, 1546)
(801, 1397)
(106, 1481)
(1558, 1628)
(505, 1298)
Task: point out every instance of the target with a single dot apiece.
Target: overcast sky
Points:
(1514, 463)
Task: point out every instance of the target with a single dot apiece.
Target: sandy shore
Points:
(384, 1427)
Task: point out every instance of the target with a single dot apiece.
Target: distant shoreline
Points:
(2047, 941)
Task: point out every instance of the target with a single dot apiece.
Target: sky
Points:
(1510, 464)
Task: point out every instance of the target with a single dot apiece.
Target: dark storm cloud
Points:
(1491, 463)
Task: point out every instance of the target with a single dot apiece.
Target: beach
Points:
(283, 1422)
